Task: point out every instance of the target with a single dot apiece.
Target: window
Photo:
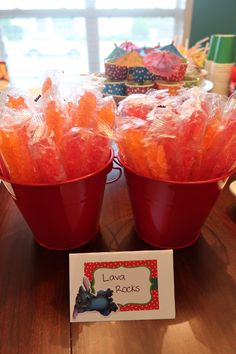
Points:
(76, 35)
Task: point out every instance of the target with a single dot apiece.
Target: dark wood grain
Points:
(33, 289)
(34, 316)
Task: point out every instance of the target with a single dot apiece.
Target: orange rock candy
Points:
(85, 113)
(55, 119)
(131, 149)
(156, 159)
(16, 154)
(46, 85)
(16, 102)
(106, 113)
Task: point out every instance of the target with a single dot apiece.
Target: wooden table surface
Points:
(34, 296)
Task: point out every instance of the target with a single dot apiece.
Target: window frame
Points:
(91, 14)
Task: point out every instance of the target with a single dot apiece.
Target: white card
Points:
(112, 286)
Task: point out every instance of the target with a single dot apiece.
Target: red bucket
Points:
(170, 214)
(66, 215)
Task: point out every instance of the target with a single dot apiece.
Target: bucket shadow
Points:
(122, 236)
(119, 337)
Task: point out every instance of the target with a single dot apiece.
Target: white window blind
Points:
(76, 35)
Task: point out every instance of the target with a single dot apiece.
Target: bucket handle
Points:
(119, 169)
(116, 160)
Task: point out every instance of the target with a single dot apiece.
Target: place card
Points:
(112, 286)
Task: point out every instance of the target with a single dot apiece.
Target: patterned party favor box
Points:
(178, 75)
(115, 72)
(172, 87)
(116, 88)
(133, 87)
(141, 74)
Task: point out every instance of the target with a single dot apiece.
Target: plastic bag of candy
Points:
(189, 137)
(64, 134)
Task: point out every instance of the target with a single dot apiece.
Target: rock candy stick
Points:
(131, 139)
(163, 133)
(156, 159)
(46, 156)
(16, 116)
(226, 161)
(84, 114)
(97, 152)
(106, 111)
(83, 152)
(194, 122)
(55, 119)
(72, 148)
(16, 154)
(210, 145)
(218, 152)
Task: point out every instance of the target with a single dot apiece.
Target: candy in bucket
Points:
(55, 154)
(56, 138)
(190, 137)
(176, 159)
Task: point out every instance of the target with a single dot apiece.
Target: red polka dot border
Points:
(151, 264)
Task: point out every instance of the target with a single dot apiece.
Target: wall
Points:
(212, 16)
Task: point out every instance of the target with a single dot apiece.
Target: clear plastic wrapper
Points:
(46, 156)
(83, 152)
(227, 139)
(14, 138)
(136, 105)
(141, 105)
(130, 135)
(189, 137)
(61, 135)
(162, 141)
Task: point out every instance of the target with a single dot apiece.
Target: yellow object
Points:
(197, 53)
(130, 59)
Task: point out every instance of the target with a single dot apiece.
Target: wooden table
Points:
(34, 298)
